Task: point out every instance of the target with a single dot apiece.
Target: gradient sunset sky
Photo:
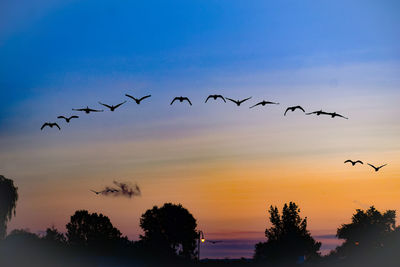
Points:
(225, 164)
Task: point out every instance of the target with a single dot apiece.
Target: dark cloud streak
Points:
(121, 189)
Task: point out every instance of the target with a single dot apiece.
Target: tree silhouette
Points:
(91, 230)
(368, 229)
(169, 230)
(288, 237)
(8, 203)
(53, 235)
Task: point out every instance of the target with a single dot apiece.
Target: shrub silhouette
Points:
(288, 237)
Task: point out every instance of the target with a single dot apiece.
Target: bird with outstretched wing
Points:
(137, 100)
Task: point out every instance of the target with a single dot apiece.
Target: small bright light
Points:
(356, 243)
(202, 240)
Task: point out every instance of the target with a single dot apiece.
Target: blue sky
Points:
(41, 42)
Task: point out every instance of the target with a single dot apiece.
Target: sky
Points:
(225, 164)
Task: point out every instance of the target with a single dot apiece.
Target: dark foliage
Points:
(371, 239)
(94, 231)
(169, 231)
(8, 203)
(288, 238)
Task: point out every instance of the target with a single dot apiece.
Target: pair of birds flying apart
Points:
(52, 124)
(359, 161)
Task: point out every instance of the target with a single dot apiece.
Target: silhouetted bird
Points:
(137, 100)
(334, 114)
(214, 241)
(263, 103)
(50, 124)
(238, 102)
(95, 192)
(67, 119)
(377, 168)
(87, 110)
(319, 112)
(353, 162)
(112, 108)
(181, 99)
(215, 97)
(293, 109)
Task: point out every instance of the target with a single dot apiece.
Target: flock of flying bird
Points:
(87, 110)
(359, 161)
(181, 99)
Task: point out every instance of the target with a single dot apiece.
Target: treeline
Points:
(170, 238)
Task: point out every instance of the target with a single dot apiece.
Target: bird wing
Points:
(286, 111)
(174, 100)
(342, 116)
(208, 98)
(144, 97)
(256, 105)
(309, 113)
(382, 166)
(120, 104)
(79, 109)
(348, 161)
(95, 191)
(131, 97)
(241, 101)
(371, 165)
(58, 126)
(94, 110)
(220, 96)
(44, 125)
(299, 107)
(188, 100)
(359, 161)
(61, 117)
(74, 117)
(234, 101)
(269, 102)
(105, 105)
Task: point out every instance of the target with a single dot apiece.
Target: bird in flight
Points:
(238, 102)
(334, 114)
(354, 162)
(263, 103)
(50, 124)
(319, 112)
(137, 100)
(215, 97)
(293, 109)
(96, 192)
(377, 168)
(67, 119)
(87, 110)
(181, 99)
(214, 241)
(112, 108)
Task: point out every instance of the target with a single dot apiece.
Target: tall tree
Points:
(91, 229)
(8, 203)
(170, 229)
(288, 237)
